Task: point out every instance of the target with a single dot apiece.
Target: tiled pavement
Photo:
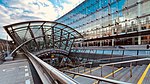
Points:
(15, 72)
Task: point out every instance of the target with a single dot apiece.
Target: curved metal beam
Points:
(17, 48)
(21, 45)
(52, 51)
(45, 22)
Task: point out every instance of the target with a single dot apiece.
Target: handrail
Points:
(142, 47)
(122, 62)
(57, 76)
(114, 58)
(85, 48)
(47, 73)
(82, 64)
(97, 78)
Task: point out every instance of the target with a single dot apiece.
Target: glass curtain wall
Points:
(103, 18)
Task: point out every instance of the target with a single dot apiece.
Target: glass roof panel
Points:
(28, 35)
(33, 29)
(22, 33)
(22, 25)
(49, 24)
(36, 23)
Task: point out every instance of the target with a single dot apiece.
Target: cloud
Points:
(67, 6)
(12, 11)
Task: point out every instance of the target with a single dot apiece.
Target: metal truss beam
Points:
(61, 33)
(50, 28)
(32, 35)
(53, 34)
(44, 38)
(67, 41)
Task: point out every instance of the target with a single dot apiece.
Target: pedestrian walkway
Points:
(15, 72)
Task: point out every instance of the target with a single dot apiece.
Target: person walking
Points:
(147, 46)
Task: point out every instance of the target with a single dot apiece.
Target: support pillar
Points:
(113, 42)
(80, 44)
(100, 43)
(139, 23)
(139, 40)
(87, 44)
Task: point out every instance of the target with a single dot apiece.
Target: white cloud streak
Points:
(24, 10)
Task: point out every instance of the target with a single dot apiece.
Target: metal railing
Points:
(97, 78)
(49, 74)
(122, 52)
(129, 62)
(60, 77)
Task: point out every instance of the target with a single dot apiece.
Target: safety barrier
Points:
(49, 74)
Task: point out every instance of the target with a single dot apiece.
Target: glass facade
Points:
(104, 18)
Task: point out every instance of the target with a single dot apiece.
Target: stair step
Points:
(137, 74)
(126, 77)
(147, 78)
(122, 74)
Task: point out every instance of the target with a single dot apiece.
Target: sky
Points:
(14, 11)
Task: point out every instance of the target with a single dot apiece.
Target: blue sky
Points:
(12, 11)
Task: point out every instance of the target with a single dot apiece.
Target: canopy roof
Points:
(52, 35)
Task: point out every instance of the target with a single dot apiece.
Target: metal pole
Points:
(98, 81)
(73, 76)
(113, 71)
(78, 68)
(130, 70)
(84, 67)
(90, 68)
(122, 56)
(74, 70)
(101, 72)
(111, 55)
(7, 46)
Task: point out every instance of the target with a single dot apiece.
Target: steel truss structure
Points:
(42, 35)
